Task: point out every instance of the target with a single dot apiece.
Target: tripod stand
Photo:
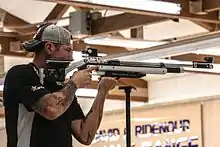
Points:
(127, 90)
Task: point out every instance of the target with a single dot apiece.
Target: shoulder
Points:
(23, 70)
(21, 73)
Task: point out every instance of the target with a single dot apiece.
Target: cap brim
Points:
(31, 45)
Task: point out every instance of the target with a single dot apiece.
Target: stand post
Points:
(127, 90)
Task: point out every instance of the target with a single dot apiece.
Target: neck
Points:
(39, 61)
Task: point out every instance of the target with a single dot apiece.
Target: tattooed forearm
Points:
(53, 105)
(91, 123)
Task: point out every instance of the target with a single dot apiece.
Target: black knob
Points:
(208, 59)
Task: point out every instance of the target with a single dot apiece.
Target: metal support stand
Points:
(127, 90)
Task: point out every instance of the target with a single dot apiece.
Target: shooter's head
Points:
(51, 41)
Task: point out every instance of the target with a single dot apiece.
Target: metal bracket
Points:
(196, 7)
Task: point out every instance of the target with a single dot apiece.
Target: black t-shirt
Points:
(25, 127)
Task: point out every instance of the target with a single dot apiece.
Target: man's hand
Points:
(83, 78)
(106, 84)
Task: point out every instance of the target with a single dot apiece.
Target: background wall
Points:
(203, 116)
(211, 111)
(189, 86)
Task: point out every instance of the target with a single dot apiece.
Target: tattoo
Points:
(53, 105)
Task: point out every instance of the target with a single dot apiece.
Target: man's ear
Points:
(49, 47)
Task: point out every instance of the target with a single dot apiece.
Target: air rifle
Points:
(58, 69)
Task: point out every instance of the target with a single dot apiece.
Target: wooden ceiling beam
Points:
(211, 5)
(137, 11)
(137, 18)
(79, 46)
(127, 20)
(11, 19)
(57, 12)
(122, 22)
(111, 25)
(15, 21)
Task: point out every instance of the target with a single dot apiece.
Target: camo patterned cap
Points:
(51, 33)
(56, 34)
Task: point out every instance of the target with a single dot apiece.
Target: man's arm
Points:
(84, 130)
(23, 83)
(52, 105)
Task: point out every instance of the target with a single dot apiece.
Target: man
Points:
(47, 115)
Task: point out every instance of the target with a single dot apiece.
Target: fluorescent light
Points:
(171, 49)
(209, 51)
(123, 42)
(147, 5)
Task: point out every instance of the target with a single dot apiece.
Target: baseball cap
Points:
(51, 33)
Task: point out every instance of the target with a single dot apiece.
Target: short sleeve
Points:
(23, 85)
(76, 111)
